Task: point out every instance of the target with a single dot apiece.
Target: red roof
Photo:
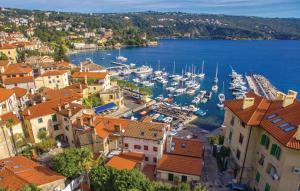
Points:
(5, 94)
(257, 114)
(18, 171)
(98, 75)
(20, 92)
(180, 164)
(121, 163)
(17, 69)
(54, 73)
(17, 80)
(8, 116)
(187, 147)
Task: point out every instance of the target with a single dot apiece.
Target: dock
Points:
(262, 86)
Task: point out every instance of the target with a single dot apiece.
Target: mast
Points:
(217, 72)
(158, 64)
(174, 67)
(202, 67)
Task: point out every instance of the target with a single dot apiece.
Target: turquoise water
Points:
(279, 61)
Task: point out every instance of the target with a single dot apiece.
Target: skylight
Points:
(289, 129)
(276, 120)
(271, 116)
(283, 125)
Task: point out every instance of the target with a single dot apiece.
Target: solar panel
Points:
(276, 120)
(283, 125)
(289, 129)
(271, 116)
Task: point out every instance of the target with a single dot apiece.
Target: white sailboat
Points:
(221, 97)
(202, 74)
(215, 86)
(121, 58)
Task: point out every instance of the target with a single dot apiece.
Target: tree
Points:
(30, 187)
(60, 53)
(72, 162)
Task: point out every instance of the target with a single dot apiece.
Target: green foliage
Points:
(3, 56)
(216, 140)
(42, 134)
(109, 179)
(45, 145)
(72, 162)
(30, 187)
(92, 101)
(131, 85)
(60, 53)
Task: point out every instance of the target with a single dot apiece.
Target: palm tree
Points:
(9, 124)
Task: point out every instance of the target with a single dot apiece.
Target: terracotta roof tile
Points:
(17, 80)
(4, 62)
(54, 73)
(257, 115)
(5, 94)
(180, 164)
(99, 75)
(187, 147)
(17, 69)
(121, 163)
(20, 92)
(18, 171)
(12, 116)
(7, 46)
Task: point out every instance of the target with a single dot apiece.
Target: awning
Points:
(105, 107)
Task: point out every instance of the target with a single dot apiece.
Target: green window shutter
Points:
(273, 149)
(267, 142)
(262, 140)
(257, 177)
(278, 152)
(267, 187)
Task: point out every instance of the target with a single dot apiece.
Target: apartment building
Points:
(8, 101)
(264, 138)
(10, 51)
(54, 79)
(22, 96)
(96, 81)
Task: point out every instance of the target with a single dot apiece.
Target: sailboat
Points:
(121, 58)
(215, 86)
(202, 74)
(221, 97)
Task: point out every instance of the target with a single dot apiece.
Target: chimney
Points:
(288, 100)
(280, 96)
(293, 93)
(298, 133)
(59, 107)
(248, 102)
(70, 112)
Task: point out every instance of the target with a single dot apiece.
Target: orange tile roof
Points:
(4, 62)
(99, 75)
(5, 94)
(257, 114)
(20, 92)
(187, 147)
(138, 157)
(51, 94)
(18, 171)
(17, 69)
(121, 163)
(54, 73)
(12, 116)
(17, 80)
(7, 46)
(180, 164)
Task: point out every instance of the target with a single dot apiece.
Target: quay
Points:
(261, 86)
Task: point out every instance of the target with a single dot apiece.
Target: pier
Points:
(261, 86)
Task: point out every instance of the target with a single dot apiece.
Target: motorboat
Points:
(170, 89)
(174, 84)
(208, 94)
(143, 70)
(196, 100)
(221, 96)
(192, 108)
(136, 80)
(180, 90)
(147, 83)
(220, 105)
(200, 112)
(215, 88)
(191, 91)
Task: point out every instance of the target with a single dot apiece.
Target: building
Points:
(113, 95)
(105, 134)
(10, 51)
(54, 79)
(8, 101)
(264, 138)
(18, 171)
(22, 96)
(182, 162)
(7, 148)
(96, 81)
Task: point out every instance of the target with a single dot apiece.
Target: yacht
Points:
(121, 58)
(170, 89)
(191, 91)
(196, 100)
(147, 83)
(143, 70)
(136, 80)
(208, 95)
(215, 86)
(174, 84)
(221, 96)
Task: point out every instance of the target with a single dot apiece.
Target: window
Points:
(57, 76)
(261, 160)
(271, 170)
(271, 116)
(145, 147)
(137, 147)
(265, 141)
(257, 177)
(155, 149)
(183, 178)
(275, 151)
(40, 120)
(267, 187)
(142, 134)
(4, 106)
(154, 159)
(54, 117)
(67, 128)
(276, 120)
(146, 159)
(241, 139)
(243, 124)
(111, 96)
(170, 177)
(56, 127)
(49, 82)
(126, 145)
(65, 119)
(238, 154)
(232, 121)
